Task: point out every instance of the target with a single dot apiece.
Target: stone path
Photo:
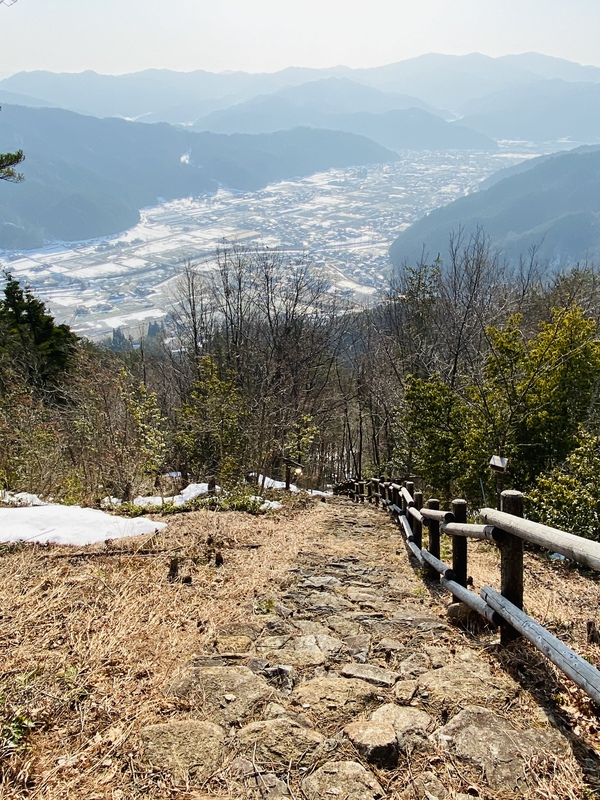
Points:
(354, 686)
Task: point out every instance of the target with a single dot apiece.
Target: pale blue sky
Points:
(116, 36)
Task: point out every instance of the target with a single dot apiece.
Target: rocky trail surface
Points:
(351, 684)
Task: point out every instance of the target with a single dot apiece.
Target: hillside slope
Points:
(87, 177)
(554, 206)
(397, 128)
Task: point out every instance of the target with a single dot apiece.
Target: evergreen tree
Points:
(29, 338)
(8, 162)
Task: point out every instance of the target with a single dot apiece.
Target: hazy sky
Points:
(117, 36)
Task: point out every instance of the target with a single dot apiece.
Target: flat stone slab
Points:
(414, 616)
(279, 741)
(402, 587)
(403, 719)
(414, 665)
(427, 786)
(328, 645)
(321, 582)
(363, 596)
(358, 646)
(296, 658)
(228, 694)
(376, 742)
(334, 698)
(467, 681)
(404, 691)
(234, 644)
(489, 741)
(378, 676)
(327, 600)
(273, 643)
(343, 625)
(390, 645)
(344, 780)
(308, 627)
(185, 749)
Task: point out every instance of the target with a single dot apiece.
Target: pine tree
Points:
(30, 338)
(8, 162)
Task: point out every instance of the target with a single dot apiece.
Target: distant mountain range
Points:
(547, 110)
(393, 120)
(87, 177)
(439, 81)
(551, 204)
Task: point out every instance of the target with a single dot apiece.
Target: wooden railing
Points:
(507, 530)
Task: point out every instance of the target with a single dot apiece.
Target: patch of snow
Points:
(270, 505)
(189, 493)
(266, 505)
(21, 499)
(110, 502)
(69, 525)
(270, 483)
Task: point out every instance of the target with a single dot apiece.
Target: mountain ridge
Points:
(552, 208)
(88, 177)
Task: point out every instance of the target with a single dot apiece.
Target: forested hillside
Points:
(88, 177)
(260, 362)
(552, 205)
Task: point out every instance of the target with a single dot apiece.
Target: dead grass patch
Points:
(91, 639)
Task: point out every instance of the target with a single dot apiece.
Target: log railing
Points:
(508, 530)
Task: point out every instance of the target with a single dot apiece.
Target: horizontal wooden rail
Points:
(416, 551)
(414, 512)
(406, 526)
(471, 531)
(407, 497)
(444, 570)
(470, 599)
(576, 548)
(577, 668)
(466, 596)
(439, 516)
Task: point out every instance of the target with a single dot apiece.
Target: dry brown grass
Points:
(90, 642)
(562, 597)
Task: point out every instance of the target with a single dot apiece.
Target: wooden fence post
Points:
(511, 563)
(434, 536)
(395, 499)
(417, 525)
(459, 544)
(370, 491)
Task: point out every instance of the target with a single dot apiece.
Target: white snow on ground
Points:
(270, 483)
(189, 493)
(271, 505)
(21, 499)
(267, 505)
(33, 520)
(68, 525)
